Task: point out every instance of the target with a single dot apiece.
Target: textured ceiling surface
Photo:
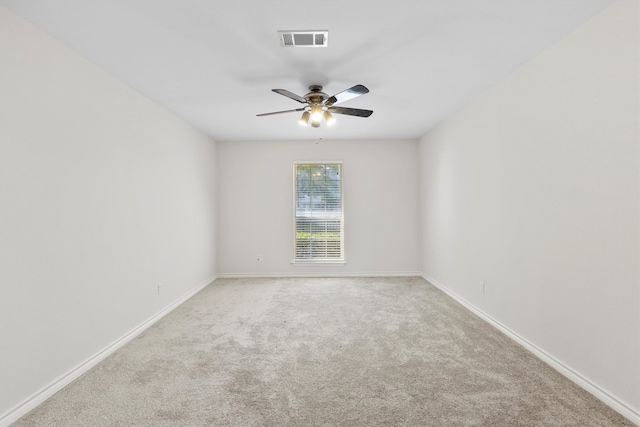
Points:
(214, 63)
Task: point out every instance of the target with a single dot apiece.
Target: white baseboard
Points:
(37, 398)
(320, 274)
(46, 392)
(617, 405)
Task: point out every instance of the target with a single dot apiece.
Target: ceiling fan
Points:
(318, 104)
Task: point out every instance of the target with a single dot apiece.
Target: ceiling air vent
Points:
(304, 38)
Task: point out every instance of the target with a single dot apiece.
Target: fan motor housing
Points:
(315, 95)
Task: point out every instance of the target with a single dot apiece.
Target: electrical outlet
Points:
(159, 288)
(482, 287)
(259, 257)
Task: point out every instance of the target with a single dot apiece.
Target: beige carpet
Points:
(322, 352)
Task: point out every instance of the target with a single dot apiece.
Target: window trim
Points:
(321, 262)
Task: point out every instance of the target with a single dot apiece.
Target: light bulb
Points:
(316, 113)
(304, 120)
(329, 118)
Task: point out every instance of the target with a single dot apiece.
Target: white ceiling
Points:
(214, 62)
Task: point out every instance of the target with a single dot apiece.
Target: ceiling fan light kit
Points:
(319, 105)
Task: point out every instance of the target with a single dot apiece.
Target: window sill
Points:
(318, 263)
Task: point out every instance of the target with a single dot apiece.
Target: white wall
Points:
(103, 194)
(380, 201)
(534, 190)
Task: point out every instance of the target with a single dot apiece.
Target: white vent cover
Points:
(304, 38)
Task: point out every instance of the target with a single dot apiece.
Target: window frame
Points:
(320, 261)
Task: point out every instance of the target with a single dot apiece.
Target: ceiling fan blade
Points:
(351, 111)
(279, 112)
(290, 95)
(346, 95)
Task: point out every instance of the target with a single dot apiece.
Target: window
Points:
(319, 221)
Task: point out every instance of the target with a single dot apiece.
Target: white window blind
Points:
(319, 219)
